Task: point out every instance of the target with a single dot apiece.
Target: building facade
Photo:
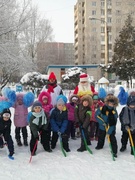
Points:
(90, 18)
(54, 53)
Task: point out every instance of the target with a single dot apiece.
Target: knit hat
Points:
(95, 97)
(36, 103)
(131, 100)
(83, 77)
(6, 113)
(52, 76)
(111, 92)
(61, 99)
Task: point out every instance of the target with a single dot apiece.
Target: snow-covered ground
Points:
(76, 166)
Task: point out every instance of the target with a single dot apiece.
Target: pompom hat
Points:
(83, 77)
(52, 76)
(61, 99)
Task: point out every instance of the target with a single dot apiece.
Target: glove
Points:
(127, 127)
(104, 124)
(59, 133)
(37, 138)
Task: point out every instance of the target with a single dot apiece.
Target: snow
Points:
(76, 166)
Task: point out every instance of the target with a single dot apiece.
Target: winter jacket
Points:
(36, 128)
(59, 120)
(20, 115)
(5, 128)
(71, 111)
(56, 91)
(46, 107)
(94, 107)
(102, 116)
(83, 115)
(127, 118)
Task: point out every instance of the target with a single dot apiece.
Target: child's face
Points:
(111, 104)
(60, 106)
(20, 102)
(51, 80)
(45, 101)
(6, 116)
(132, 106)
(85, 103)
(37, 109)
(95, 101)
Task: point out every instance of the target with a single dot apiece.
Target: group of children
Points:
(48, 122)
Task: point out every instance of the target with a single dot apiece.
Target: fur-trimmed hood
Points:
(76, 96)
(87, 98)
(111, 97)
(42, 94)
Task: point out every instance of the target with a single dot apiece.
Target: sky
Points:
(76, 166)
(61, 15)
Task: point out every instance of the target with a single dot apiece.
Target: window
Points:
(109, 19)
(94, 29)
(102, 12)
(102, 4)
(102, 38)
(103, 47)
(93, 12)
(118, 20)
(93, 3)
(102, 55)
(102, 29)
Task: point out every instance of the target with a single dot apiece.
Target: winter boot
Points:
(19, 143)
(81, 149)
(123, 148)
(25, 142)
(98, 147)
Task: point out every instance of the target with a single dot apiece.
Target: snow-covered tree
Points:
(123, 61)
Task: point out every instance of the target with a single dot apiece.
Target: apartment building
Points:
(90, 19)
(54, 53)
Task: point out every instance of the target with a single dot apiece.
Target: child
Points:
(83, 115)
(23, 101)
(38, 124)
(5, 130)
(59, 122)
(45, 99)
(73, 101)
(127, 119)
(107, 119)
(94, 127)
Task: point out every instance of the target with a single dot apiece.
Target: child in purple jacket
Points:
(23, 101)
(73, 101)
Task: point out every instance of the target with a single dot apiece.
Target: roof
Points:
(70, 66)
(103, 80)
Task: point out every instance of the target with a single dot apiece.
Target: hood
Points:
(42, 94)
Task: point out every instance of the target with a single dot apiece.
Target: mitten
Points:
(127, 127)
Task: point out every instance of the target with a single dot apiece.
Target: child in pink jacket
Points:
(23, 101)
(93, 122)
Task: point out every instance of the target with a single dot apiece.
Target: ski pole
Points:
(109, 142)
(108, 138)
(34, 148)
(61, 145)
(85, 142)
(131, 140)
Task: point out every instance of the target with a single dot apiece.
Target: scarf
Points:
(129, 117)
(37, 117)
(51, 88)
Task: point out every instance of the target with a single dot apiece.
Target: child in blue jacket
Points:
(59, 122)
(107, 119)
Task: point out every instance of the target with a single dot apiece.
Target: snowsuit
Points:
(5, 131)
(59, 122)
(127, 118)
(107, 117)
(39, 127)
(82, 116)
(94, 126)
